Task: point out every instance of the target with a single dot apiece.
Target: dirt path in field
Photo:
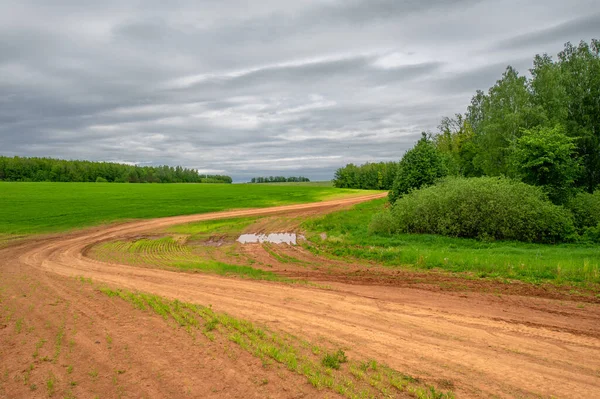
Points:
(483, 345)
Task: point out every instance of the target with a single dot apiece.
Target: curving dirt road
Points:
(485, 345)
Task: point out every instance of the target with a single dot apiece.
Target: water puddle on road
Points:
(274, 238)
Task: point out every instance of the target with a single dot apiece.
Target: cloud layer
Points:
(261, 89)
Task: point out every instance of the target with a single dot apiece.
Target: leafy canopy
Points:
(420, 166)
(544, 156)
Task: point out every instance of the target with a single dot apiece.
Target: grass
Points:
(334, 360)
(229, 228)
(333, 371)
(51, 384)
(27, 208)
(348, 237)
(166, 252)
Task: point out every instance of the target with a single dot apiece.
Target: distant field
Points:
(27, 208)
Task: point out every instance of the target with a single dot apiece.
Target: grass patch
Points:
(27, 208)
(333, 371)
(229, 228)
(166, 252)
(334, 360)
(348, 237)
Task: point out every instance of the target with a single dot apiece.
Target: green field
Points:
(348, 237)
(27, 208)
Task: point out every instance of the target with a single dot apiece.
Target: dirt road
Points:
(485, 345)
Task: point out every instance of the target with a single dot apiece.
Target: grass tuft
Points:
(334, 360)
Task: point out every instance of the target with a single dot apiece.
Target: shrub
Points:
(101, 179)
(486, 208)
(586, 210)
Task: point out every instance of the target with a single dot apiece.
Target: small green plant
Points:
(27, 375)
(19, 325)
(51, 384)
(38, 345)
(93, 373)
(58, 343)
(334, 360)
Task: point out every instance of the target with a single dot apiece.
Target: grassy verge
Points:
(347, 237)
(27, 208)
(324, 368)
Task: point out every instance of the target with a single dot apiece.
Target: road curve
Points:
(486, 345)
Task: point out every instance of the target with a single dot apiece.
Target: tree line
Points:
(58, 170)
(369, 176)
(280, 179)
(543, 130)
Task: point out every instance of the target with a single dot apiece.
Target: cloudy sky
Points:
(258, 88)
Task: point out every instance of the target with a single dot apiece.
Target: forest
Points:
(280, 179)
(58, 170)
(540, 130)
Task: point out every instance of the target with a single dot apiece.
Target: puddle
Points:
(274, 238)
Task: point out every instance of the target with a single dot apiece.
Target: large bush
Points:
(485, 208)
(586, 210)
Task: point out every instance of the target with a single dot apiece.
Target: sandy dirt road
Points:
(485, 345)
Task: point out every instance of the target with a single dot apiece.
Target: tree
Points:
(503, 113)
(548, 93)
(420, 166)
(580, 77)
(544, 157)
(456, 142)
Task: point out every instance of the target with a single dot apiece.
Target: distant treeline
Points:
(58, 170)
(370, 176)
(279, 179)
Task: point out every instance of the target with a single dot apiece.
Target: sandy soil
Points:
(485, 345)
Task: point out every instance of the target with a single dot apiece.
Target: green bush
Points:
(487, 208)
(586, 210)
(101, 179)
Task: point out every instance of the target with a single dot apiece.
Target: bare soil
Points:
(484, 344)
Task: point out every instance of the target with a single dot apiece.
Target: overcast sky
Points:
(258, 88)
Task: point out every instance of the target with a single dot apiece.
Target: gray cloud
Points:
(276, 88)
(583, 28)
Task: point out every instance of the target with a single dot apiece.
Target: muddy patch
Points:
(273, 238)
